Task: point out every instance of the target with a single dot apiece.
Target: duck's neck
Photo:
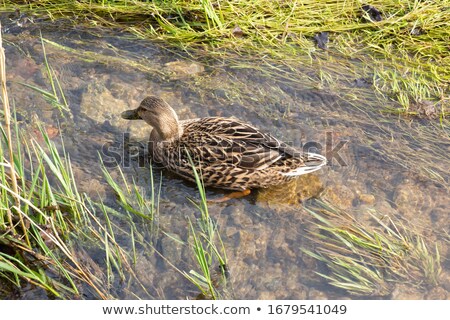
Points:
(168, 130)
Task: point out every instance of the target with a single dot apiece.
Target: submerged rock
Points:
(444, 280)
(172, 247)
(425, 109)
(24, 69)
(406, 292)
(340, 196)
(267, 295)
(103, 101)
(437, 293)
(183, 69)
(367, 198)
(99, 104)
(413, 203)
(292, 193)
(317, 295)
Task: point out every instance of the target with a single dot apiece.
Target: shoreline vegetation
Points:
(400, 48)
(48, 228)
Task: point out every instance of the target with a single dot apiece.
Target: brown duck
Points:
(227, 152)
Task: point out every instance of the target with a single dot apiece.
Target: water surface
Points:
(387, 164)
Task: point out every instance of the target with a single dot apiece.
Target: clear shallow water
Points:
(395, 166)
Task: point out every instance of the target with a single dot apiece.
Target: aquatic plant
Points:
(401, 50)
(47, 206)
(46, 224)
(208, 247)
(56, 96)
(204, 240)
(369, 260)
(77, 219)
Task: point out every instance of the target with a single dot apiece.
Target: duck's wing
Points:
(229, 140)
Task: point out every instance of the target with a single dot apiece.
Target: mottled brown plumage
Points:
(229, 153)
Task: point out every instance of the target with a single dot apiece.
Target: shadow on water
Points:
(378, 162)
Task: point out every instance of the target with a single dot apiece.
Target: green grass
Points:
(48, 227)
(207, 246)
(204, 241)
(132, 198)
(369, 260)
(46, 217)
(406, 54)
(56, 96)
(63, 225)
(47, 209)
(46, 224)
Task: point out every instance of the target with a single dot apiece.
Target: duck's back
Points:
(231, 140)
(230, 154)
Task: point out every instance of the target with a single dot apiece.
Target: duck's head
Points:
(159, 114)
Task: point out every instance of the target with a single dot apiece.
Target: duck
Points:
(227, 153)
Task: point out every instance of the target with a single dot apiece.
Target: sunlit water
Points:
(384, 163)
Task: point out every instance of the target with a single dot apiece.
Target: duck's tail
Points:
(312, 162)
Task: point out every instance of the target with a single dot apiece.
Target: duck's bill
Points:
(131, 115)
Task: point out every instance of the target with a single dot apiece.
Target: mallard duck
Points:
(227, 152)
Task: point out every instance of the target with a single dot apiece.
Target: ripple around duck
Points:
(383, 166)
